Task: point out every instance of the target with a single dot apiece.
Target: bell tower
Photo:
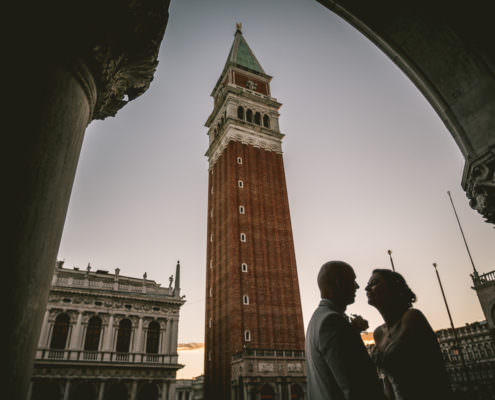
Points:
(254, 335)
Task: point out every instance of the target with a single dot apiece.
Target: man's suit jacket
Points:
(337, 363)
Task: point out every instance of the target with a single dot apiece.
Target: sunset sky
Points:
(368, 164)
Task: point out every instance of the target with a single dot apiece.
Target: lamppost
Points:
(456, 340)
(391, 260)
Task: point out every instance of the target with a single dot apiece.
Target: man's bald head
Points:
(337, 281)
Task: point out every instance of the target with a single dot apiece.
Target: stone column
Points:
(54, 90)
(30, 391)
(75, 339)
(168, 340)
(101, 390)
(133, 391)
(66, 390)
(175, 332)
(164, 391)
(43, 342)
(171, 390)
(138, 343)
(108, 339)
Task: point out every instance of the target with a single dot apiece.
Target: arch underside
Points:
(446, 49)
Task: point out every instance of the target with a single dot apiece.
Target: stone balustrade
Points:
(104, 356)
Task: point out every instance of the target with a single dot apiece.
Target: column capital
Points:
(479, 183)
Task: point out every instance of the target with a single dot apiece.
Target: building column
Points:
(168, 339)
(66, 390)
(289, 390)
(171, 390)
(133, 391)
(164, 391)
(138, 342)
(75, 338)
(30, 391)
(108, 339)
(44, 331)
(44, 149)
(101, 390)
(175, 332)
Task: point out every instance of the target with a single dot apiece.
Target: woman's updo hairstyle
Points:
(397, 283)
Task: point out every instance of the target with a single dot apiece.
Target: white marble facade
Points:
(107, 336)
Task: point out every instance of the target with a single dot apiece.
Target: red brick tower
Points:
(254, 326)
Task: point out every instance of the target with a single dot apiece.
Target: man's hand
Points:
(358, 323)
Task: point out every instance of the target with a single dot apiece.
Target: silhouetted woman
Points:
(407, 351)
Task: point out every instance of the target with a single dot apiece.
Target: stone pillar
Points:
(133, 390)
(175, 332)
(54, 90)
(171, 390)
(66, 390)
(138, 343)
(43, 342)
(164, 391)
(108, 339)
(168, 340)
(47, 142)
(30, 391)
(75, 339)
(101, 390)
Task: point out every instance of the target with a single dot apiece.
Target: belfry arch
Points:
(91, 71)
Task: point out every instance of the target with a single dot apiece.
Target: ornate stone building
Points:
(477, 343)
(107, 336)
(190, 389)
(254, 338)
(484, 285)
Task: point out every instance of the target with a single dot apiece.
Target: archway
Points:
(296, 392)
(267, 392)
(117, 391)
(43, 390)
(83, 391)
(445, 50)
(148, 391)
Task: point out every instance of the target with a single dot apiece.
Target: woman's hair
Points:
(398, 283)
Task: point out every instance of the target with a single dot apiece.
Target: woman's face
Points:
(377, 290)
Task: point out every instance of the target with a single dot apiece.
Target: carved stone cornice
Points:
(255, 138)
(479, 183)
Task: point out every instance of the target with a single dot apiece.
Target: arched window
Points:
(243, 237)
(266, 121)
(93, 332)
(249, 116)
(240, 112)
(124, 336)
(257, 118)
(244, 267)
(153, 337)
(60, 332)
(245, 299)
(296, 393)
(267, 392)
(247, 335)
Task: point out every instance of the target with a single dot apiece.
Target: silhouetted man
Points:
(338, 365)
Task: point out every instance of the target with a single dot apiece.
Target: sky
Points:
(367, 160)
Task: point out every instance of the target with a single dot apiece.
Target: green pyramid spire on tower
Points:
(241, 55)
